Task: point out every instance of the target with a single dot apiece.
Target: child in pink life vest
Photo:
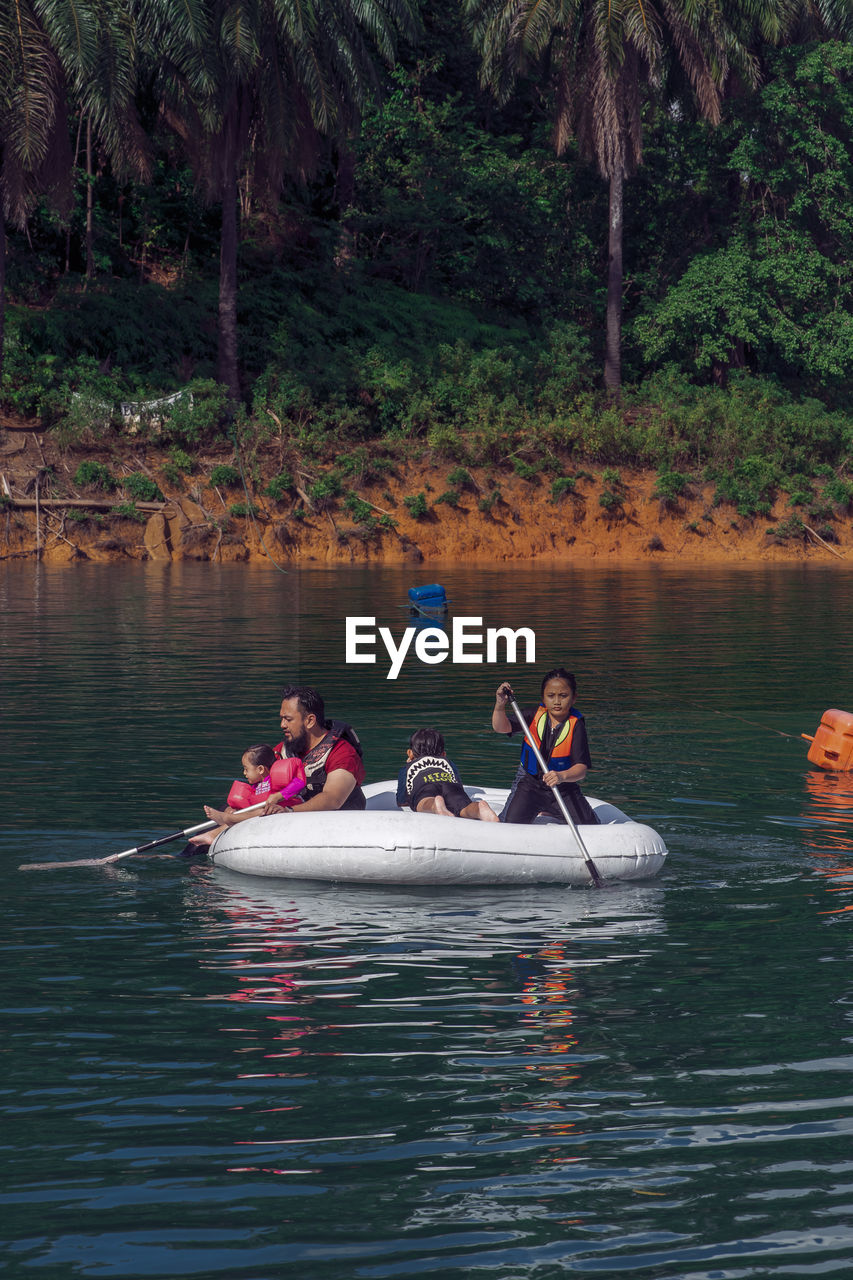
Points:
(267, 778)
(266, 775)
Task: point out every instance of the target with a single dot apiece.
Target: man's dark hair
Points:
(559, 673)
(426, 742)
(262, 754)
(308, 700)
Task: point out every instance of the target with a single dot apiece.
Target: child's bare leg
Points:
(206, 838)
(434, 804)
(480, 811)
(224, 817)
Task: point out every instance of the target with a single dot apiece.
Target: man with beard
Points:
(330, 753)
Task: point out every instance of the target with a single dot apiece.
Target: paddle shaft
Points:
(140, 848)
(590, 865)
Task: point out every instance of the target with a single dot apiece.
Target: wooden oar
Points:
(590, 865)
(128, 853)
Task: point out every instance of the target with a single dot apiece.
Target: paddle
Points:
(590, 865)
(128, 853)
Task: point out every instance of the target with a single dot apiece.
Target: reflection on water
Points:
(827, 825)
(218, 1077)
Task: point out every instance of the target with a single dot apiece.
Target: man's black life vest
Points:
(315, 764)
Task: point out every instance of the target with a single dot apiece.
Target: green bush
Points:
(526, 470)
(670, 485)
(561, 486)
(838, 492)
(611, 502)
(224, 476)
(490, 500)
(279, 486)
(201, 414)
(749, 485)
(244, 509)
(361, 511)
(127, 511)
(142, 488)
(793, 527)
(323, 491)
(416, 505)
(94, 475)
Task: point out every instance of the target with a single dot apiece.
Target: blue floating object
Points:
(432, 596)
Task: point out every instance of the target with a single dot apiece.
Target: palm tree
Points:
(602, 58)
(252, 84)
(49, 53)
(605, 58)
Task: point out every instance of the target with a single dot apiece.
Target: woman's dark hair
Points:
(308, 700)
(559, 673)
(426, 742)
(261, 755)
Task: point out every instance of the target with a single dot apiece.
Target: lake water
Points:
(222, 1078)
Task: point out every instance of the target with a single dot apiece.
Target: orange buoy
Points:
(832, 745)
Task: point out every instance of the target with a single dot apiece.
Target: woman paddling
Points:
(560, 733)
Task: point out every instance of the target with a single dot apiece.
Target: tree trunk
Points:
(613, 342)
(90, 205)
(2, 287)
(227, 364)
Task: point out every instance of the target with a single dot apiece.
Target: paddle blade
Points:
(81, 862)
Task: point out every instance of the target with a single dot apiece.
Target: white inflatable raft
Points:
(386, 845)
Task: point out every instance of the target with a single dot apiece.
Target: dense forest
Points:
(497, 231)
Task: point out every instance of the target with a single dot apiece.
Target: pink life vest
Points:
(286, 776)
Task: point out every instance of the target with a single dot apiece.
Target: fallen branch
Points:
(97, 504)
(823, 542)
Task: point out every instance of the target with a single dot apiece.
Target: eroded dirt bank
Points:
(416, 512)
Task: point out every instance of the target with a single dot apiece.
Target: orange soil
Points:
(524, 524)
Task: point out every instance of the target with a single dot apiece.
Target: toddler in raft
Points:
(430, 783)
(267, 778)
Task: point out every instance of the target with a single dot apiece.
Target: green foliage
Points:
(177, 465)
(224, 475)
(561, 486)
(244, 509)
(526, 470)
(450, 497)
(838, 492)
(416, 505)
(489, 501)
(94, 475)
(279, 486)
(799, 490)
(443, 205)
(611, 501)
(128, 511)
(181, 460)
(361, 511)
(749, 485)
(323, 491)
(775, 292)
(793, 527)
(461, 478)
(142, 488)
(670, 486)
(199, 415)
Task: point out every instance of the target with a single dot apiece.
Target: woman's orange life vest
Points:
(561, 748)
